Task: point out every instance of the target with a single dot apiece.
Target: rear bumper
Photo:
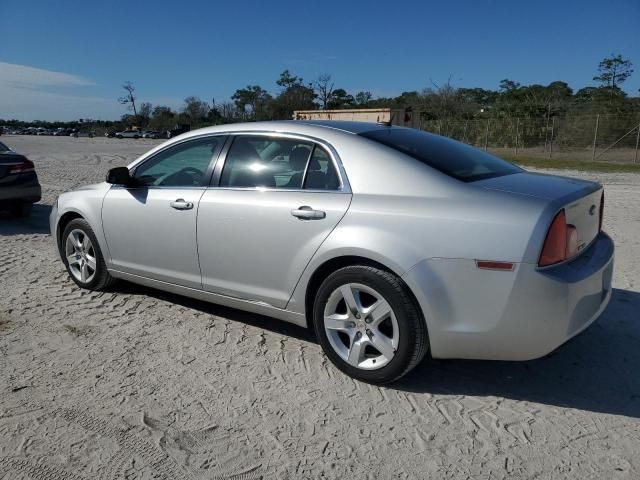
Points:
(25, 189)
(511, 315)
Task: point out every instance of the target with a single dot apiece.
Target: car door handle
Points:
(307, 213)
(180, 204)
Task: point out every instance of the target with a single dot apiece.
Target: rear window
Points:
(452, 158)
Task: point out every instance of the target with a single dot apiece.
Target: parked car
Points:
(84, 133)
(129, 134)
(150, 134)
(61, 132)
(179, 129)
(19, 187)
(390, 242)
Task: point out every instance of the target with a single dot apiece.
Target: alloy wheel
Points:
(80, 255)
(361, 326)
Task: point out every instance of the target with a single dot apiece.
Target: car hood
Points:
(539, 185)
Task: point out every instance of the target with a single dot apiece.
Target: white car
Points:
(129, 134)
(150, 134)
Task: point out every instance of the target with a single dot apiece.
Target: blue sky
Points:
(66, 60)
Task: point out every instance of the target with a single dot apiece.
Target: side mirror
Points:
(119, 176)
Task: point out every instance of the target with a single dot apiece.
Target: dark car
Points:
(83, 133)
(19, 187)
(179, 129)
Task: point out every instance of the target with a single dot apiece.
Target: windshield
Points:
(452, 158)
(3, 147)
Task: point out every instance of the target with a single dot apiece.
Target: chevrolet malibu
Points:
(389, 242)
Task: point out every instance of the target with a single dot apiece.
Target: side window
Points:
(260, 161)
(321, 174)
(184, 165)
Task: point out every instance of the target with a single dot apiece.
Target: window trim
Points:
(215, 156)
(344, 186)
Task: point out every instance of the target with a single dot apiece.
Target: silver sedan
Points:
(388, 242)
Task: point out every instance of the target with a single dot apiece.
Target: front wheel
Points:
(83, 258)
(369, 324)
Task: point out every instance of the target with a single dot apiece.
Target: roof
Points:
(308, 127)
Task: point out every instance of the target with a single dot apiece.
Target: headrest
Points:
(298, 157)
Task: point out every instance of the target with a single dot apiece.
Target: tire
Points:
(119, 137)
(100, 279)
(21, 209)
(361, 345)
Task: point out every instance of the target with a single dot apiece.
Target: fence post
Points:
(635, 156)
(517, 125)
(546, 128)
(595, 137)
(486, 136)
(553, 124)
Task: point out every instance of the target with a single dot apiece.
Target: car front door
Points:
(275, 201)
(150, 226)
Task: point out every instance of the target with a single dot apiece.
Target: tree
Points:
(340, 99)
(195, 109)
(613, 71)
(323, 87)
(129, 99)
(252, 100)
(507, 85)
(228, 111)
(144, 113)
(287, 80)
(294, 95)
(363, 98)
(162, 118)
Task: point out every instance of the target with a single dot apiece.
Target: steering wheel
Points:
(187, 177)
(194, 172)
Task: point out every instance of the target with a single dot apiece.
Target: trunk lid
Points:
(9, 160)
(579, 198)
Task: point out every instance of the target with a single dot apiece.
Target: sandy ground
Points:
(139, 384)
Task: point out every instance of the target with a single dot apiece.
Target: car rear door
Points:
(151, 227)
(277, 198)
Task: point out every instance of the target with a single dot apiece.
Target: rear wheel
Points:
(83, 258)
(369, 325)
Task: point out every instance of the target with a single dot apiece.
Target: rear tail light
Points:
(601, 210)
(561, 242)
(24, 167)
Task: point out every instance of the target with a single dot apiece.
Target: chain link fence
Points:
(585, 137)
